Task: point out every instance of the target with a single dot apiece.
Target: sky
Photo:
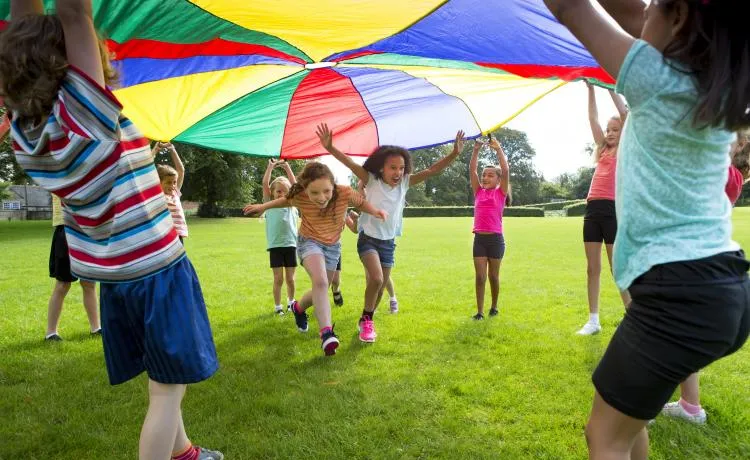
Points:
(557, 127)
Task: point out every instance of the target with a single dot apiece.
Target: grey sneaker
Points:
(205, 454)
(394, 306)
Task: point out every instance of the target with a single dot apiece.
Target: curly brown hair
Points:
(376, 161)
(33, 63)
(312, 172)
(741, 160)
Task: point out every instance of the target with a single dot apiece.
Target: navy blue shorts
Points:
(158, 324)
(385, 249)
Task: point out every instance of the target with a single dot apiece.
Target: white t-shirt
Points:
(390, 199)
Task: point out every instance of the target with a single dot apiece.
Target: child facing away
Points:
(490, 194)
(70, 136)
(171, 180)
(683, 69)
(386, 175)
(281, 234)
(322, 204)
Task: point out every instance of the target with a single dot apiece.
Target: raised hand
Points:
(325, 135)
(252, 209)
(458, 144)
(495, 144)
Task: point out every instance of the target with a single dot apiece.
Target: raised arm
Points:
(178, 166)
(81, 40)
(627, 13)
(289, 172)
(282, 202)
(267, 180)
(441, 164)
(473, 176)
(503, 160)
(596, 128)
(20, 8)
(622, 109)
(326, 140)
(605, 41)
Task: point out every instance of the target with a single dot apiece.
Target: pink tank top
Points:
(488, 210)
(603, 182)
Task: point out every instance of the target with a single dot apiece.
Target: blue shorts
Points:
(331, 252)
(158, 324)
(385, 249)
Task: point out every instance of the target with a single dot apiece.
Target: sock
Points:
(690, 408)
(278, 307)
(189, 453)
(324, 330)
(393, 298)
(594, 318)
(368, 314)
(290, 302)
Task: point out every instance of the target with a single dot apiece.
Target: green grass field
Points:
(435, 384)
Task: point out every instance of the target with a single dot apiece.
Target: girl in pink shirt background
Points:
(600, 221)
(490, 194)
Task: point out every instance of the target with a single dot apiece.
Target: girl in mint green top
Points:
(281, 234)
(683, 68)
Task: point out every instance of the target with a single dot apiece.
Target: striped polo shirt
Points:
(117, 223)
(178, 215)
(325, 226)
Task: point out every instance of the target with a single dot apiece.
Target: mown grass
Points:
(435, 384)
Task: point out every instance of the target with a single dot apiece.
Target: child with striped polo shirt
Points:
(171, 180)
(71, 137)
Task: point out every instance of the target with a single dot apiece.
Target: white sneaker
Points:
(674, 409)
(590, 329)
(279, 311)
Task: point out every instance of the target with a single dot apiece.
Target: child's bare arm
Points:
(289, 172)
(605, 41)
(81, 40)
(627, 13)
(622, 109)
(282, 202)
(596, 129)
(178, 166)
(505, 179)
(267, 180)
(19, 8)
(326, 140)
(473, 167)
(368, 207)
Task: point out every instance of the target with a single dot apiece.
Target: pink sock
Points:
(190, 453)
(325, 329)
(690, 408)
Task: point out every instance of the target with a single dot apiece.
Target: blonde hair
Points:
(165, 171)
(280, 180)
(603, 145)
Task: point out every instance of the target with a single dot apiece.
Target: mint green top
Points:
(670, 198)
(281, 227)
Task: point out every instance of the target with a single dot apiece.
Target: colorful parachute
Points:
(256, 77)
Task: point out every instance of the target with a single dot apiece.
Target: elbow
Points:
(73, 10)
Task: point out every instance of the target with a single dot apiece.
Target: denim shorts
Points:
(331, 252)
(385, 249)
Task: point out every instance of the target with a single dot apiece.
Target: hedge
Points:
(468, 211)
(578, 209)
(556, 206)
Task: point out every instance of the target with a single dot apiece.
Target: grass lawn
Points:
(435, 384)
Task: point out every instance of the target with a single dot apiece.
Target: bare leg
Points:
(391, 289)
(593, 273)
(181, 441)
(55, 305)
(494, 277)
(624, 295)
(690, 390)
(89, 303)
(612, 435)
(336, 281)
(318, 296)
(375, 278)
(480, 271)
(291, 282)
(161, 426)
(278, 281)
(386, 277)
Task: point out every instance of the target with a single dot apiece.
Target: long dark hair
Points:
(376, 161)
(714, 45)
(312, 172)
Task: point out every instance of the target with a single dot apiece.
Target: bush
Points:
(578, 209)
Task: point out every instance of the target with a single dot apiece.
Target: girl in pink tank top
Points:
(600, 221)
(490, 194)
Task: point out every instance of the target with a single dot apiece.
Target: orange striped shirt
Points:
(322, 226)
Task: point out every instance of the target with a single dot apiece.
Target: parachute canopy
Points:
(256, 77)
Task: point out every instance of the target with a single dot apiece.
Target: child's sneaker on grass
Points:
(278, 310)
(478, 317)
(675, 409)
(299, 318)
(367, 330)
(394, 306)
(338, 299)
(205, 454)
(493, 311)
(329, 342)
(590, 329)
(53, 338)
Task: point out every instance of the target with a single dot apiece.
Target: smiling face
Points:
(393, 170)
(169, 184)
(612, 136)
(279, 190)
(490, 178)
(320, 191)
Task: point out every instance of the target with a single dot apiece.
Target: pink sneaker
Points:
(367, 331)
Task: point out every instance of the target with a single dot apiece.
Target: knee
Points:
(593, 269)
(480, 278)
(320, 283)
(278, 280)
(62, 288)
(88, 286)
(375, 281)
(494, 279)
